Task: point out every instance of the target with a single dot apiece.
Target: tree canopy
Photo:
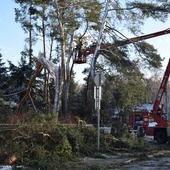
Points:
(61, 26)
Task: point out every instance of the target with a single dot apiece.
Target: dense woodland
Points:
(60, 26)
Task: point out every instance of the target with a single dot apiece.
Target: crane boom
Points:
(90, 50)
(161, 91)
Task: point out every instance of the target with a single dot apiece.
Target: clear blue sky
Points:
(12, 36)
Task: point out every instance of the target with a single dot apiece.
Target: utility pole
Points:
(99, 80)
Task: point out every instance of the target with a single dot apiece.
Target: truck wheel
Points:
(161, 136)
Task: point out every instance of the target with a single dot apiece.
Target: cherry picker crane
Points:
(81, 54)
(161, 131)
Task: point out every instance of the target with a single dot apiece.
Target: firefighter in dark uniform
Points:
(139, 124)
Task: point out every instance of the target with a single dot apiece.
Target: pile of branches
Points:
(49, 144)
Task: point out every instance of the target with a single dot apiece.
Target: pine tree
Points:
(18, 78)
(3, 75)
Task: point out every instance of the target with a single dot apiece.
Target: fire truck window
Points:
(138, 118)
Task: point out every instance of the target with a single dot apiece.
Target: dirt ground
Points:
(154, 164)
(159, 158)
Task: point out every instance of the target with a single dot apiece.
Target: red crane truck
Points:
(161, 130)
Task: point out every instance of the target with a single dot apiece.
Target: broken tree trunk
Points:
(54, 70)
(39, 68)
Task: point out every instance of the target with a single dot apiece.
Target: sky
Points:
(12, 37)
(11, 34)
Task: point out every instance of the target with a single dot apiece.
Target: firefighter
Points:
(139, 124)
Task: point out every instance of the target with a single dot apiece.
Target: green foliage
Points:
(150, 53)
(74, 138)
(89, 143)
(124, 92)
(37, 144)
(49, 144)
(155, 10)
(36, 148)
(19, 78)
(138, 144)
(3, 75)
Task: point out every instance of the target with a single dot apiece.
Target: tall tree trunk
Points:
(57, 91)
(44, 54)
(99, 40)
(30, 38)
(63, 80)
(50, 56)
(65, 87)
